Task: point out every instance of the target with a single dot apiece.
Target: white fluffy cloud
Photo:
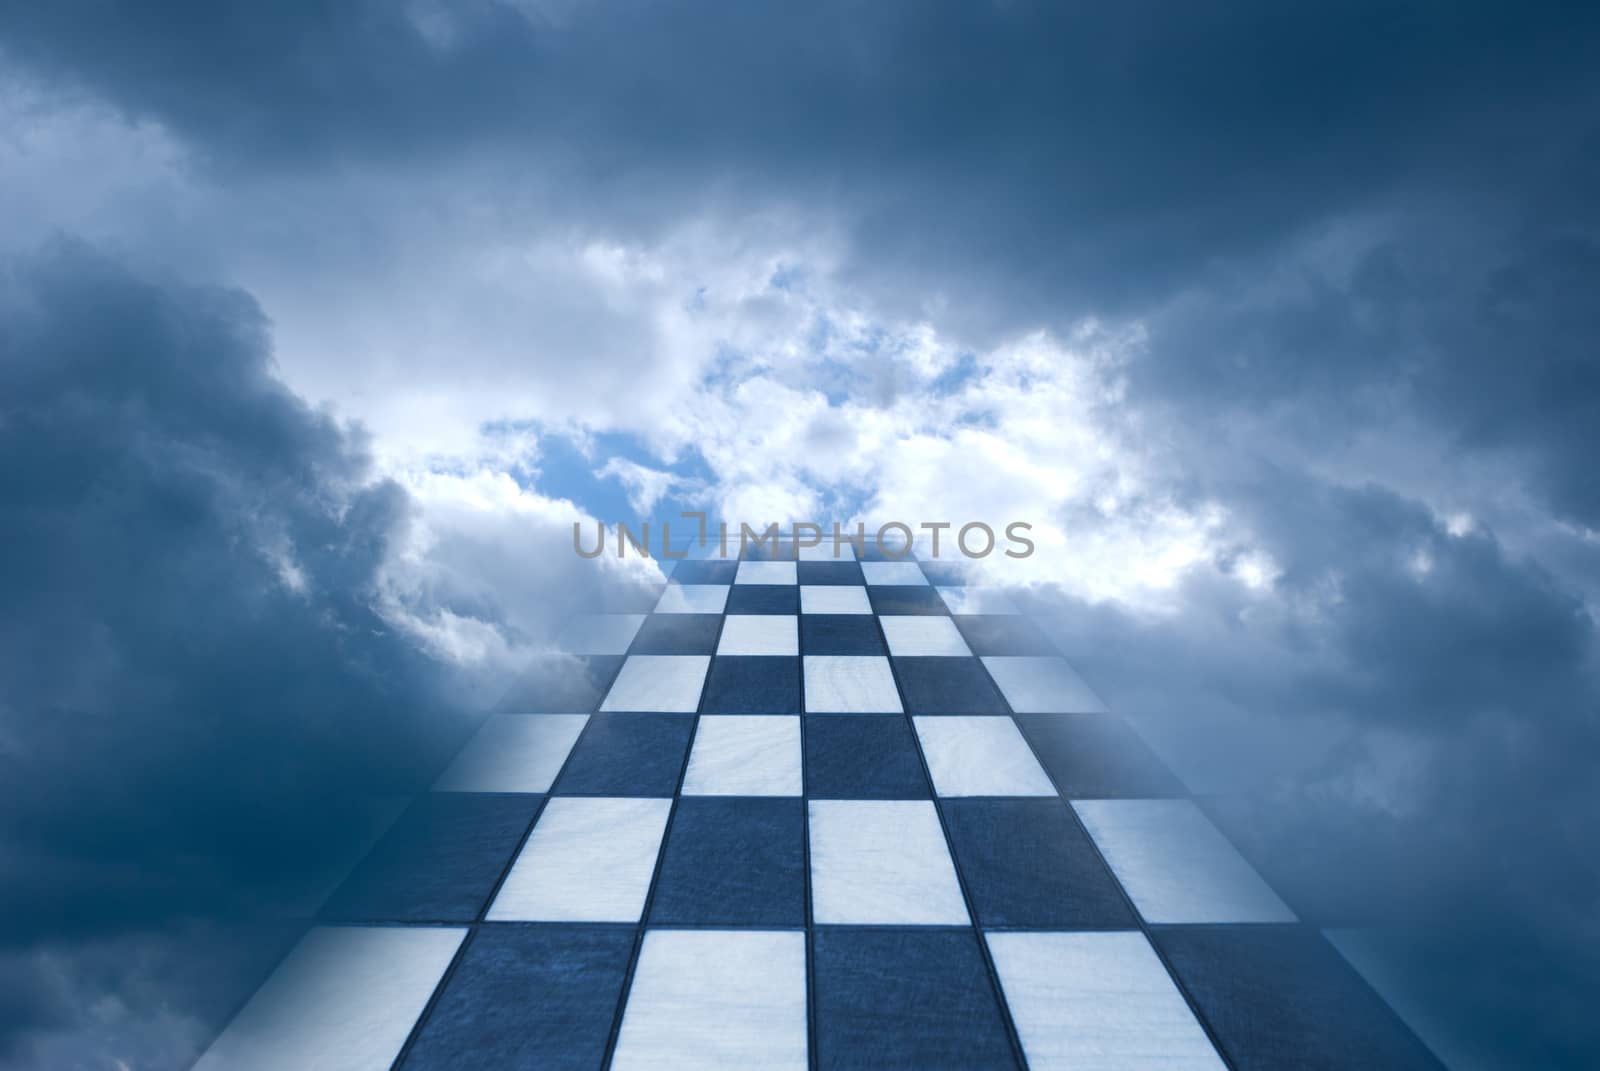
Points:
(431, 311)
(488, 574)
(804, 405)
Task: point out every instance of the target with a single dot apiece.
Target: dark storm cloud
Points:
(1484, 329)
(1405, 734)
(1026, 162)
(185, 738)
(1086, 151)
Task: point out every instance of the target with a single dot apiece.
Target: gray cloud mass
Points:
(187, 738)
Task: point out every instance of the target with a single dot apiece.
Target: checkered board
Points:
(810, 813)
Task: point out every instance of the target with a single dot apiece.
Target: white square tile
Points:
(977, 601)
(709, 999)
(973, 755)
(765, 573)
(656, 683)
(587, 860)
(513, 753)
(1042, 685)
(834, 599)
(345, 997)
(693, 599)
(922, 634)
(850, 684)
(1175, 865)
(882, 862)
(760, 634)
(744, 755)
(893, 573)
(824, 551)
(1097, 1002)
(603, 634)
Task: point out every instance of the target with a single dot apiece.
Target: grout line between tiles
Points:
(1144, 927)
(488, 901)
(614, 1035)
(975, 926)
(805, 843)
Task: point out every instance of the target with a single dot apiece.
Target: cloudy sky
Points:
(319, 328)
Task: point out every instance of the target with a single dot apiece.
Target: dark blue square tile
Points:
(947, 686)
(835, 573)
(1097, 756)
(1281, 997)
(1003, 634)
(562, 685)
(946, 574)
(847, 549)
(906, 599)
(764, 599)
(677, 634)
(862, 757)
(527, 996)
(733, 862)
(752, 685)
(628, 755)
(918, 1000)
(703, 572)
(439, 862)
(840, 634)
(767, 550)
(1028, 864)
(891, 550)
